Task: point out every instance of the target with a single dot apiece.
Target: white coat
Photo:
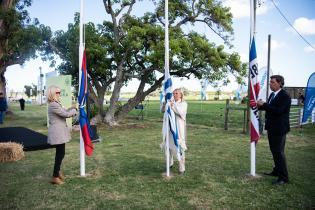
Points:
(180, 110)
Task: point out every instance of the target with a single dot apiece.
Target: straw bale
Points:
(11, 151)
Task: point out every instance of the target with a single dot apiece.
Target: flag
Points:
(253, 93)
(203, 90)
(263, 82)
(84, 121)
(169, 115)
(309, 102)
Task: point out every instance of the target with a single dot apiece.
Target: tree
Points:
(30, 90)
(66, 44)
(20, 37)
(139, 47)
(127, 47)
(218, 93)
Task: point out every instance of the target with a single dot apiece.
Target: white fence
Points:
(296, 114)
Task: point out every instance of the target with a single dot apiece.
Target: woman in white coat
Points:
(179, 106)
(58, 132)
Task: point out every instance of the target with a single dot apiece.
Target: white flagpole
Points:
(81, 48)
(252, 32)
(167, 150)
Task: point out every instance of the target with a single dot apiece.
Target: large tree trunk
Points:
(98, 98)
(139, 97)
(110, 114)
(98, 101)
(5, 5)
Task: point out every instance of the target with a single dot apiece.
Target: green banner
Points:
(64, 83)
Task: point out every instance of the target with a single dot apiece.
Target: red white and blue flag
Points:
(84, 121)
(253, 93)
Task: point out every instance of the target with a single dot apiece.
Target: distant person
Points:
(58, 132)
(277, 125)
(22, 104)
(179, 106)
(3, 107)
(301, 99)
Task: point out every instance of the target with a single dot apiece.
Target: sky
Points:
(290, 55)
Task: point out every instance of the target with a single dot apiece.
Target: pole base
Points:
(257, 176)
(167, 177)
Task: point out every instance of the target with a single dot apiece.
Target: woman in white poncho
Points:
(179, 106)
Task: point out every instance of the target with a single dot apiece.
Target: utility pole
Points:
(268, 67)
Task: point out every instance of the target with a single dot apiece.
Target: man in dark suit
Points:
(277, 125)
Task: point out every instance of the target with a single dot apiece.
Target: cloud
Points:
(244, 57)
(304, 26)
(309, 49)
(241, 8)
(261, 60)
(275, 44)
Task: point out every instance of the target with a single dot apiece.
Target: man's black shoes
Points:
(271, 174)
(279, 182)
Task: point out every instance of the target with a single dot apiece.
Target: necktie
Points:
(272, 96)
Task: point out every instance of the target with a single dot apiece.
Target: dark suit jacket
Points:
(277, 114)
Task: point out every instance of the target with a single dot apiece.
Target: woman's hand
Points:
(75, 106)
(172, 102)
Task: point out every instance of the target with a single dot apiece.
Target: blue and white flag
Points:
(203, 90)
(169, 119)
(309, 102)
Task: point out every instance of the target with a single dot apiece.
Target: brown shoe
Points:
(62, 176)
(56, 180)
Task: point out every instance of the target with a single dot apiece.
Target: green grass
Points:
(125, 171)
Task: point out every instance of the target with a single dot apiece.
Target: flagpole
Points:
(167, 150)
(81, 48)
(252, 32)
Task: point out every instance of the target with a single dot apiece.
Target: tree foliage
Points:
(20, 37)
(66, 45)
(127, 47)
(30, 90)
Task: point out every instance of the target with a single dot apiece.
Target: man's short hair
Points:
(279, 79)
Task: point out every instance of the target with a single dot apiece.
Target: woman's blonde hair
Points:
(51, 93)
(181, 93)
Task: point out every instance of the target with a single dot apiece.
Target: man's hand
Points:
(260, 103)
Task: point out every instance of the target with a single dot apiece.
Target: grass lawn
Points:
(125, 171)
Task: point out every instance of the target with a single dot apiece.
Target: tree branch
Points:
(209, 25)
(58, 52)
(127, 13)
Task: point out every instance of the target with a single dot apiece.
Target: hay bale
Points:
(11, 151)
